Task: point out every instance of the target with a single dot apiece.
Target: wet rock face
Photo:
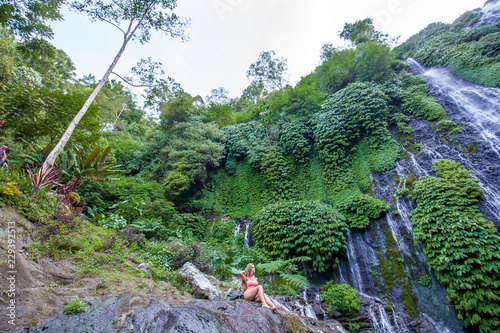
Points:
(490, 12)
(204, 287)
(197, 316)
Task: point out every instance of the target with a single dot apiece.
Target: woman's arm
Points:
(243, 277)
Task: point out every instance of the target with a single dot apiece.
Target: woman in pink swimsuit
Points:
(252, 291)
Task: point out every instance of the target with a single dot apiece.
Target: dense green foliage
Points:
(295, 140)
(284, 156)
(301, 228)
(459, 243)
(470, 53)
(340, 297)
(359, 208)
(348, 115)
(368, 61)
(28, 17)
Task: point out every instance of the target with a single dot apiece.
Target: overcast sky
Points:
(226, 36)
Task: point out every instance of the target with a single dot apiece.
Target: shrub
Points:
(447, 125)
(402, 192)
(152, 228)
(425, 280)
(159, 208)
(359, 208)
(220, 231)
(193, 224)
(340, 297)
(130, 236)
(74, 307)
(9, 189)
(301, 228)
(113, 221)
(422, 106)
(131, 207)
(190, 252)
(276, 172)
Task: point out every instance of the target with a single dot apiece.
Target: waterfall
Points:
(491, 12)
(357, 281)
(363, 263)
(237, 229)
(325, 316)
(297, 306)
(478, 108)
(480, 104)
(439, 328)
(246, 240)
(378, 318)
(342, 279)
(307, 311)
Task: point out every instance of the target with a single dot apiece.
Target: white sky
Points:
(226, 36)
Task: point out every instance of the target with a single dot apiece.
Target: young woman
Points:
(252, 291)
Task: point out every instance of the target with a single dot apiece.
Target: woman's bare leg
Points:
(268, 301)
(249, 295)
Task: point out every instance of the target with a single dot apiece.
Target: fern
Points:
(271, 267)
(297, 280)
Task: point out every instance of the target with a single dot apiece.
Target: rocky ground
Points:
(43, 286)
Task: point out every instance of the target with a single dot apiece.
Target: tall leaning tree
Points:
(136, 19)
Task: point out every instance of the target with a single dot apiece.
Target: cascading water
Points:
(391, 237)
(490, 12)
(246, 240)
(237, 229)
(357, 281)
(478, 108)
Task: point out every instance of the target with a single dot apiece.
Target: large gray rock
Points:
(203, 287)
(234, 294)
(198, 316)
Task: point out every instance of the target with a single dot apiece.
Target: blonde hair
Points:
(247, 273)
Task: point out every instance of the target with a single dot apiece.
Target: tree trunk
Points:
(49, 162)
(119, 114)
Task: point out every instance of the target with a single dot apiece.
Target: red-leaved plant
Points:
(41, 179)
(65, 191)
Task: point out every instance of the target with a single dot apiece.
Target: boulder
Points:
(203, 287)
(145, 268)
(234, 294)
(161, 315)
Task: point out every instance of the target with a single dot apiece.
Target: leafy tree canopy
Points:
(54, 66)
(362, 31)
(27, 18)
(268, 70)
